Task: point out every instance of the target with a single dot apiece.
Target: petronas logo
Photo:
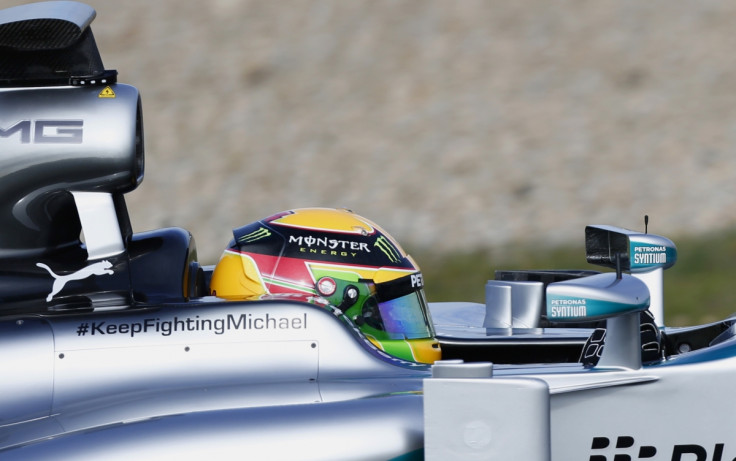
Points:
(255, 235)
(388, 249)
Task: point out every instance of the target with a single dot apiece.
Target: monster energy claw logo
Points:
(255, 235)
(388, 249)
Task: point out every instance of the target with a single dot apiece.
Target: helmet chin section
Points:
(422, 350)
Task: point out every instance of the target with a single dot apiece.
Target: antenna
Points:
(646, 223)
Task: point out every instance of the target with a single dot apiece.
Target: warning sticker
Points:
(106, 93)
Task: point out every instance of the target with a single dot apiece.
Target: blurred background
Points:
(477, 132)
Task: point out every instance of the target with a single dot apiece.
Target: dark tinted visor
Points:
(399, 309)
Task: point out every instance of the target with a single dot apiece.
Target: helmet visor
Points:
(398, 310)
(405, 317)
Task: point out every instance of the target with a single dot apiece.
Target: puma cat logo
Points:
(98, 268)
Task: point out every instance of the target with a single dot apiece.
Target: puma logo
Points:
(98, 268)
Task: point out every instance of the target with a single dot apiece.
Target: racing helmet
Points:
(339, 256)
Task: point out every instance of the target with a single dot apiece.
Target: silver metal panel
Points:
(498, 305)
(209, 344)
(144, 405)
(464, 321)
(138, 369)
(654, 281)
(687, 406)
(468, 419)
(102, 130)
(365, 429)
(26, 370)
(527, 303)
(147, 404)
(100, 226)
(623, 342)
(61, 139)
(456, 314)
(119, 368)
(521, 308)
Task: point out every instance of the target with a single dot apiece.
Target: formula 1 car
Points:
(120, 345)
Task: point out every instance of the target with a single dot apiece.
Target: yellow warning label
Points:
(106, 93)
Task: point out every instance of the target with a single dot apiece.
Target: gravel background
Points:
(453, 124)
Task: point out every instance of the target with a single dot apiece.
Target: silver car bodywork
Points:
(113, 350)
(213, 359)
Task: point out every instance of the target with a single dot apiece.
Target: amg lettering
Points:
(45, 131)
(23, 127)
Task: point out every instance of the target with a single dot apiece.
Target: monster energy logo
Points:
(331, 244)
(255, 235)
(388, 249)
